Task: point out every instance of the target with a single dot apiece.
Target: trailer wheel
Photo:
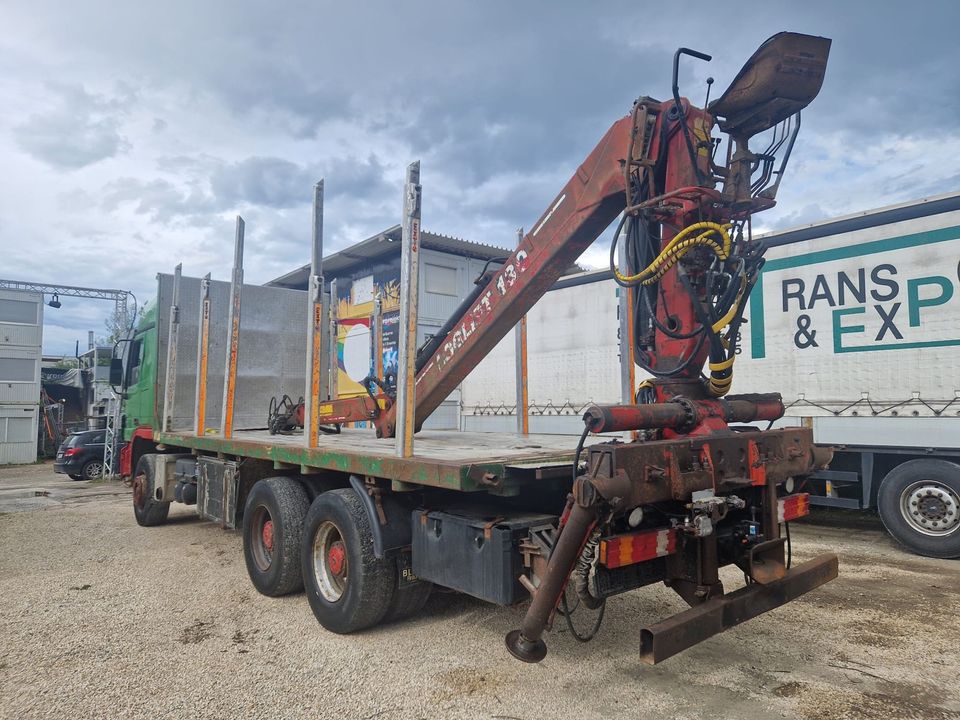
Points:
(147, 510)
(348, 587)
(919, 503)
(272, 528)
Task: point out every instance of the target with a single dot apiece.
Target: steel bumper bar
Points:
(686, 629)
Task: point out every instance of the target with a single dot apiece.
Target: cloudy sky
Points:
(132, 133)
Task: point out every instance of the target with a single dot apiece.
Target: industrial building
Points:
(370, 267)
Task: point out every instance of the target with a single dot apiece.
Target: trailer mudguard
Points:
(394, 533)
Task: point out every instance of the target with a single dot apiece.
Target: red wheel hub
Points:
(337, 558)
(267, 535)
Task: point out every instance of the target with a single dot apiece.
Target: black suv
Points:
(81, 455)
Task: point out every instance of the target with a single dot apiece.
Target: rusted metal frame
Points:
(203, 358)
(684, 630)
(664, 470)
(312, 395)
(661, 205)
(522, 385)
(682, 178)
(353, 409)
(527, 643)
(683, 414)
(173, 335)
(233, 328)
(585, 207)
(405, 409)
(638, 146)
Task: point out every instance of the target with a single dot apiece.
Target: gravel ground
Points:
(100, 618)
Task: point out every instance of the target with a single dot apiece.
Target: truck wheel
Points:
(408, 601)
(349, 589)
(408, 597)
(272, 527)
(146, 509)
(919, 503)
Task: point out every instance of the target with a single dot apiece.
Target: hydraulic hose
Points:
(676, 249)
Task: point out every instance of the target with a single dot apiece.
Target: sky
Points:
(133, 133)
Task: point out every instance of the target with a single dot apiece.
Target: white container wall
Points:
(21, 334)
(858, 328)
(18, 434)
(573, 359)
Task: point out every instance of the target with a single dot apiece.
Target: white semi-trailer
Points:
(856, 320)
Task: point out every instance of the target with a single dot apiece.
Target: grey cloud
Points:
(159, 199)
(277, 183)
(267, 181)
(355, 178)
(500, 100)
(209, 186)
(82, 129)
(807, 214)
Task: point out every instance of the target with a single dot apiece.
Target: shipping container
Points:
(21, 337)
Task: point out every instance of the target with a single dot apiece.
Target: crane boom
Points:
(585, 207)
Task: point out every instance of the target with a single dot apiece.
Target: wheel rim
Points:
(931, 508)
(329, 561)
(93, 470)
(264, 538)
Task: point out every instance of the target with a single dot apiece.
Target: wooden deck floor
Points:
(440, 445)
(443, 458)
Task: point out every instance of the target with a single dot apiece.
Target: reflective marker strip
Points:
(622, 550)
(793, 506)
(550, 214)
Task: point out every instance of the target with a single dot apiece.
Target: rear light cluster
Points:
(623, 550)
(793, 507)
(70, 452)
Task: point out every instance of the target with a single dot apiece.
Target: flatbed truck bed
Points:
(447, 459)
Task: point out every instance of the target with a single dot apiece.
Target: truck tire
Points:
(272, 529)
(147, 510)
(348, 587)
(408, 597)
(919, 504)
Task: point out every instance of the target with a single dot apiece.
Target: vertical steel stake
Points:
(203, 358)
(376, 336)
(173, 335)
(628, 380)
(233, 325)
(312, 395)
(523, 397)
(409, 295)
(333, 363)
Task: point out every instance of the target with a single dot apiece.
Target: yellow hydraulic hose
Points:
(678, 247)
